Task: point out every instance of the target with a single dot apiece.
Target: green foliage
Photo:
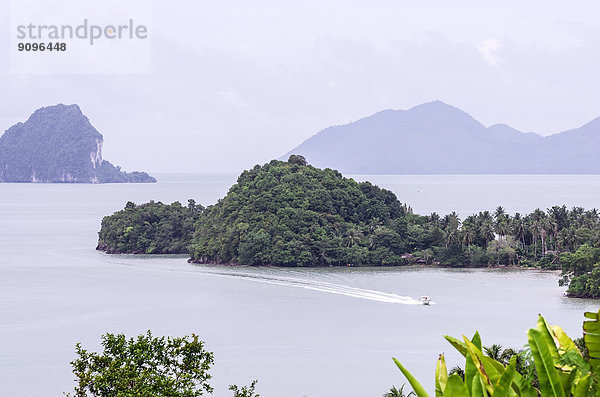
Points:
(151, 228)
(144, 366)
(245, 391)
(393, 392)
(108, 173)
(293, 214)
(581, 270)
(560, 367)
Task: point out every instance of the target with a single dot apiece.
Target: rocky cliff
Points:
(58, 144)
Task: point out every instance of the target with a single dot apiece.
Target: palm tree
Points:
(518, 227)
(552, 230)
(502, 228)
(485, 216)
(467, 236)
(494, 351)
(538, 229)
(457, 370)
(452, 220)
(352, 236)
(434, 218)
(577, 216)
(450, 236)
(560, 214)
(451, 223)
(591, 219)
(398, 392)
(374, 224)
(499, 213)
(568, 238)
(486, 232)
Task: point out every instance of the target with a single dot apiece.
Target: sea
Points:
(315, 332)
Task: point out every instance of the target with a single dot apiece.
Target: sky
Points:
(231, 84)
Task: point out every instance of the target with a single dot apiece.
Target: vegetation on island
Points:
(150, 228)
(293, 214)
(552, 365)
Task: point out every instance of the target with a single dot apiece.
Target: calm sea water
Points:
(302, 332)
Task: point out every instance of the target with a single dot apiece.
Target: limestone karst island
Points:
(58, 144)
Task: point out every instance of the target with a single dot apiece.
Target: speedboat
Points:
(424, 300)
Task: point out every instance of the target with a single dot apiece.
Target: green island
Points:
(293, 214)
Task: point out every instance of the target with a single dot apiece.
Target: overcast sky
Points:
(233, 84)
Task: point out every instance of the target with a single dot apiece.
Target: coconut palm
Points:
(451, 220)
(590, 219)
(568, 238)
(538, 229)
(353, 235)
(560, 214)
(576, 216)
(486, 232)
(551, 226)
(434, 218)
(485, 216)
(451, 236)
(498, 353)
(458, 371)
(502, 228)
(494, 351)
(467, 236)
(499, 213)
(398, 392)
(519, 229)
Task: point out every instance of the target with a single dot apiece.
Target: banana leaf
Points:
(521, 385)
(414, 383)
(502, 388)
(549, 338)
(470, 369)
(456, 387)
(550, 384)
(591, 336)
(477, 357)
(441, 376)
(583, 386)
(564, 342)
(477, 387)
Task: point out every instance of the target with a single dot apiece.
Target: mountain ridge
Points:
(437, 138)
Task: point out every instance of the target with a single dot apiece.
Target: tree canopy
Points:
(151, 228)
(293, 214)
(143, 366)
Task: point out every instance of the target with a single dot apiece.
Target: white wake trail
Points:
(322, 286)
(295, 282)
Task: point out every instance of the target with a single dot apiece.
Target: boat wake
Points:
(287, 278)
(323, 286)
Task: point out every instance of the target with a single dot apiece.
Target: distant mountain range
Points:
(58, 144)
(436, 138)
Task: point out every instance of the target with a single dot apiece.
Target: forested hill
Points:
(58, 144)
(293, 214)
